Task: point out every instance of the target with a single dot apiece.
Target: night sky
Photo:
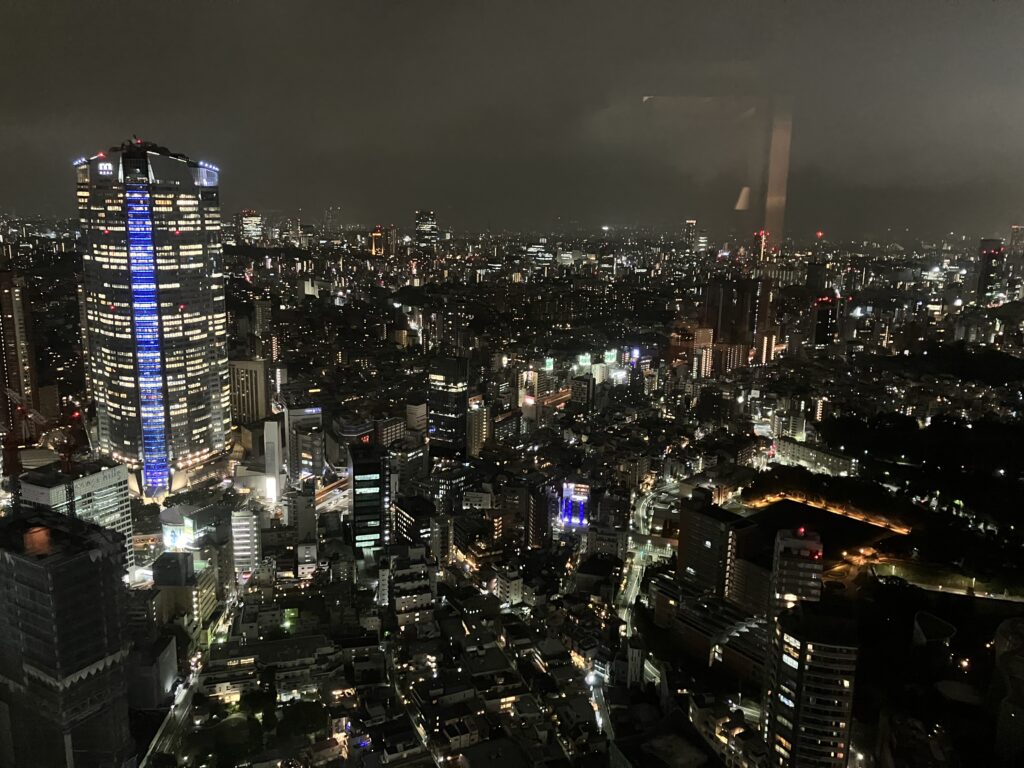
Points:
(530, 114)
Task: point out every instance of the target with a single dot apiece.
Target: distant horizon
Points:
(589, 230)
(514, 118)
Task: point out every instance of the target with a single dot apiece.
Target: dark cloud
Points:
(510, 114)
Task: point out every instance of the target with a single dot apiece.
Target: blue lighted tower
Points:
(154, 319)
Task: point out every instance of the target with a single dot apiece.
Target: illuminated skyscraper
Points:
(18, 395)
(991, 261)
(1016, 243)
(155, 324)
(248, 227)
(826, 314)
(1015, 263)
(448, 401)
(808, 696)
(369, 470)
(690, 236)
(427, 235)
(377, 241)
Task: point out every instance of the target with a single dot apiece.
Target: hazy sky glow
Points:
(524, 114)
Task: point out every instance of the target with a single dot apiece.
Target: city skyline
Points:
(579, 384)
(550, 121)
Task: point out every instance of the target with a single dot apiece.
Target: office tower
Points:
(332, 220)
(817, 281)
(808, 697)
(262, 344)
(409, 462)
(407, 584)
(412, 519)
(394, 243)
(478, 426)
(156, 327)
(389, 431)
(708, 543)
(250, 395)
(246, 547)
(826, 314)
(689, 236)
(273, 459)
(18, 393)
(427, 235)
(248, 227)
(1016, 250)
(416, 415)
(582, 389)
(442, 538)
(370, 496)
(991, 261)
(377, 241)
(63, 632)
(447, 403)
(538, 518)
(448, 485)
(738, 310)
(796, 570)
(303, 434)
(93, 491)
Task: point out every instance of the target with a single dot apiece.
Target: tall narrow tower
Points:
(448, 401)
(153, 304)
(18, 394)
(808, 696)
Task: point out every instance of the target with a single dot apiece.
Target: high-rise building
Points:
(427, 234)
(1016, 250)
(93, 491)
(991, 278)
(63, 632)
(246, 547)
(796, 570)
(738, 310)
(370, 496)
(264, 342)
(690, 236)
(250, 394)
(708, 542)
(447, 402)
(394, 243)
(18, 392)
(155, 319)
(249, 227)
(808, 696)
(826, 313)
(478, 425)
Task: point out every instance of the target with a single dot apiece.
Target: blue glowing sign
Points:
(146, 321)
(573, 511)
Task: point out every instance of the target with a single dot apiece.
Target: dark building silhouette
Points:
(370, 496)
(63, 640)
(447, 403)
